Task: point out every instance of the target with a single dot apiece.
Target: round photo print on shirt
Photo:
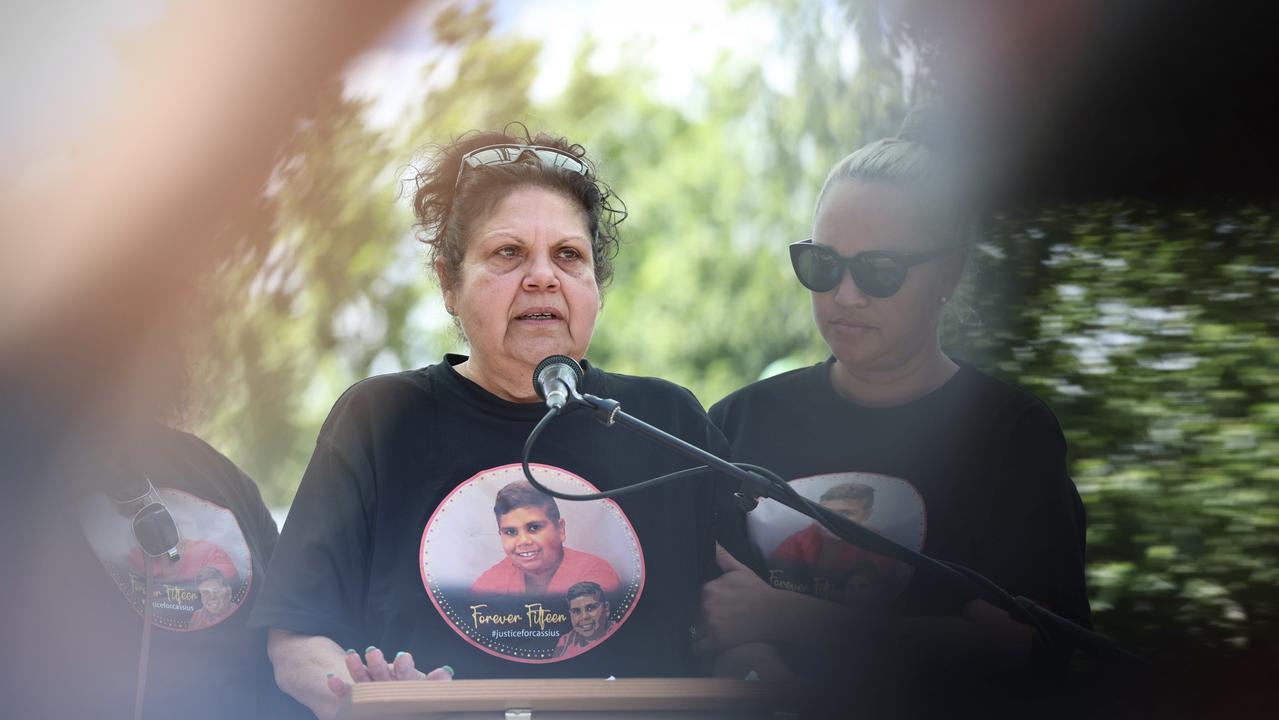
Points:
(204, 586)
(525, 577)
(802, 556)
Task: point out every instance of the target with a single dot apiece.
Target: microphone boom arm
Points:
(757, 482)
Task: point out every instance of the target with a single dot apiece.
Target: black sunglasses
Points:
(878, 273)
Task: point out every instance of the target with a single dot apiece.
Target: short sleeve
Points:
(316, 583)
(241, 491)
(719, 413)
(1033, 540)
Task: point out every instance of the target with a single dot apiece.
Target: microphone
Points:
(556, 379)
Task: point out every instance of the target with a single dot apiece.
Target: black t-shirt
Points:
(974, 473)
(394, 541)
(81, 602)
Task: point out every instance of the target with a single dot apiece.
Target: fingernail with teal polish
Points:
(398, 654)
(369, 649)
(328, 675)
(349, 651)
(448, 670)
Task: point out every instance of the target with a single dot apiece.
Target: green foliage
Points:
(328, 284)
(319, 249)
(1152, 334)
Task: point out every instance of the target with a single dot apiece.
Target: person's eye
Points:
(507, 251)
(534, 527)
(571, 253)
(509, 532)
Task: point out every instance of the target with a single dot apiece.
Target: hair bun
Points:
(925, 125)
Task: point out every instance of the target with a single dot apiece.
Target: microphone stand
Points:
(1053, 629)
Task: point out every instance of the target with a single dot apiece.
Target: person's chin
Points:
(850, 333)
(534, 349)
(866, 355)
(529, 564)
(839, 339)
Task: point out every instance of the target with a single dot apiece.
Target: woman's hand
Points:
(373, 667)
(737, 608)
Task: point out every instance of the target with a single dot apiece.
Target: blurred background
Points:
(1127, 269)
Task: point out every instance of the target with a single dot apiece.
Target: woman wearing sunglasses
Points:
(400, 513)
(961, 466)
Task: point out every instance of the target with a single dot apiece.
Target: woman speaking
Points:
(414, 531)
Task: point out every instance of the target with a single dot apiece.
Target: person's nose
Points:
(541, 273)
(847, 294)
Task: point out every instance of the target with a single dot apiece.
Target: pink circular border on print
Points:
(248, 570)
(923, 507)
(909, 571)
(587, 487)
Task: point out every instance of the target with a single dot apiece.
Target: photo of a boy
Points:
(589, 613)
(817, 552)
(536, 561)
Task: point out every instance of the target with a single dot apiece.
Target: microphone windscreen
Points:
(550, 361)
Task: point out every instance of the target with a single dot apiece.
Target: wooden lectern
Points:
(579, 699)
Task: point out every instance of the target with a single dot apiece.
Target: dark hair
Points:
(209, 572)
(447, 203)
(855, 492)
(586, 587)
(521, 494)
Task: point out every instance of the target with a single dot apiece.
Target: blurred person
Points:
(536, 562)
(988, 459)
(97, 599)
(521, 234)
(85, 367)
(202, 658)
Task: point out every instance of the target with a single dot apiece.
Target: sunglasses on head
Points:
(877, 273)
(507, 154)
